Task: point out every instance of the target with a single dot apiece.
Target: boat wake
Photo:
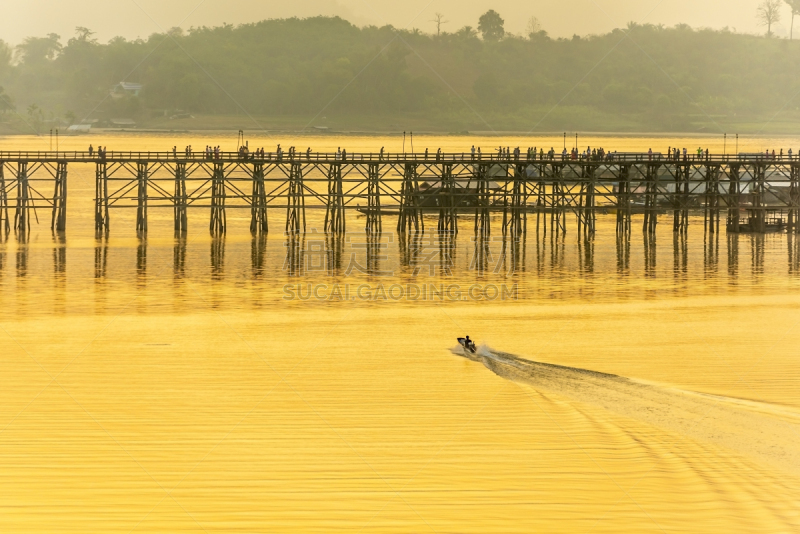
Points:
(761, 431)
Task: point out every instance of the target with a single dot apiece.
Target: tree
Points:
(794, 5)
(39, 49)
(84, 35)
(492, 26)
(438, 19)
(533, 27)
(6, 104)
(769, 13)
(5, 56)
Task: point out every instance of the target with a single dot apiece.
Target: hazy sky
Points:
(140, 18)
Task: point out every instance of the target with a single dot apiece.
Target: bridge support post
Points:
(558, 223)
(141, 197)
(410, 212)
(374, 224)
(518, 220)
(58, 222)
(21, 216)
(296, 207)
(651, 200)
(794, 199)
(5, 225)
(624, 203)
(734, 199)
(483, 223)
(448, 218)
(586, 201)
(712, 203)
(335, 222)
(680, 224)
(101, 222)
(181, 220)
(218, 223)
(759, 215)
(259, 223)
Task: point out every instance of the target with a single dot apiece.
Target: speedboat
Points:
(468, 346)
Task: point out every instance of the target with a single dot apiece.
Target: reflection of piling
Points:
(711, 253)
(22, 260)
(141, 261)
(757, 245)
(258, 255)
(649, 254)
(334, 252)
(623, 254)
(586, 255)
(59, 255)
(100, 259)
(295, 243)
(794, 253)
(179, 257)
(217, 257)
(680, 253)
(733, 255)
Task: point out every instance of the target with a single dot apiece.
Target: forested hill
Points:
(642, 77)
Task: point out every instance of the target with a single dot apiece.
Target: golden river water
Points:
(203, 386)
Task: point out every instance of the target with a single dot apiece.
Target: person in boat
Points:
(469, 344)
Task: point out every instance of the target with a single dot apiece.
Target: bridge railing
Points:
(387, 157)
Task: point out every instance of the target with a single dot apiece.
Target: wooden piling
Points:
(335, 222)
(374, 221)
(21, 215)
(259, 224)
(218, 223)
(794, 199)
(5, 224)
(101, 220)
(141, 197)
(295, 211)
(181, 221)
(448, 218)
(483, 225)
(58, 222)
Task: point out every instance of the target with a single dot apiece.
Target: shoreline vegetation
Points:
(325, 75)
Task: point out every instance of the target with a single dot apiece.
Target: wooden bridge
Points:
(749, 193)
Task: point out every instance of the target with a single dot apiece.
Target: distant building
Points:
(123, 123)
(126, 89)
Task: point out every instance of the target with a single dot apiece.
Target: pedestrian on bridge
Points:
(91, 151)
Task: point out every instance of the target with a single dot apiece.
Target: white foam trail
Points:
(767, 433)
